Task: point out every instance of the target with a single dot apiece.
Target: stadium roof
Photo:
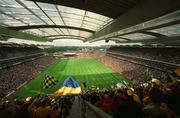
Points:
(123, 21)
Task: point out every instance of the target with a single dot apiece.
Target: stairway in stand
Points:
(75, 111)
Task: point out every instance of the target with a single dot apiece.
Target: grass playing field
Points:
(87, 70)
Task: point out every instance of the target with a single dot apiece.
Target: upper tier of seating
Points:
(171, 55)
(11, 52)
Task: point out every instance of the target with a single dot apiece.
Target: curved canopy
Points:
(109, 8)
(123, 21)
(50, 26)
(49, 19)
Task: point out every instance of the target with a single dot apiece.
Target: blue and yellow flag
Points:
(70, 86)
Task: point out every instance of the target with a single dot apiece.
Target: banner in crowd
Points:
(70, 86)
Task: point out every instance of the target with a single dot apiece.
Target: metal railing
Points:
(4, 63)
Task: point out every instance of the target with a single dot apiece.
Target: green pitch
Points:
(87, 70)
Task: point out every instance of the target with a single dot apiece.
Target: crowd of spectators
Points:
(40, 106)
(12, 77)
(130, 70)
(150, 100)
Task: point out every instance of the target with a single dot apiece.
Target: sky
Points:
(72, 42)
(62, 42)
